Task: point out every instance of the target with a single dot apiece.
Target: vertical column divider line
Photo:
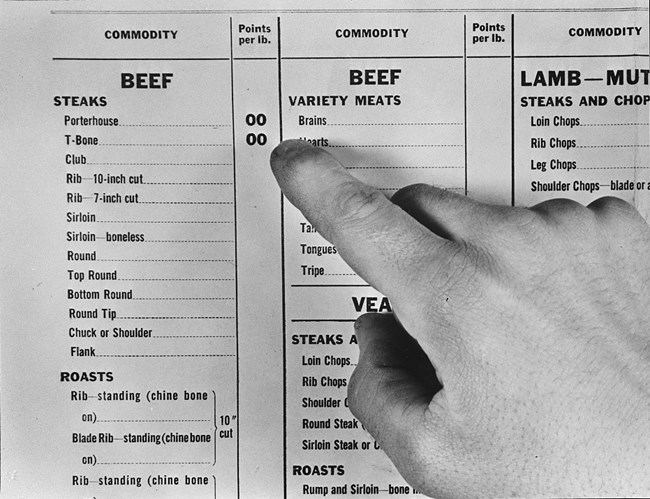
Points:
(284, 284)
(512, 105)
(234, 184)
(465, 91)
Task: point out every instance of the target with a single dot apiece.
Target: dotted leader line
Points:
(155, 260)
(185, 202)
(399, 145)
(168, 355)
(397, 124)
(180, 299)
(164, 222)
(190, 241)
(180, 126)
(612, 146)
(172, 279)
(189, 317)
(187, 183)
(400, 167)
(164, 164)
(189, 336)
(153, 421)
(158, 462)
(613, 167)
(616, 124)
(165, 145)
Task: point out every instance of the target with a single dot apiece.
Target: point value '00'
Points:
(253, 139)
(256, 119)
(256, 139)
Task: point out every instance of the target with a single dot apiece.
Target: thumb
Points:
(388, 355)
(391, 390)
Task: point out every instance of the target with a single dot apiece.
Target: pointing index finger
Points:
(374, 236)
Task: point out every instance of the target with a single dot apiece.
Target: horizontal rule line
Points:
(323, 320)
(508, 56)
(308, 58)
(330, 285)
(351, 11)
(346, 57)
(140, 58)
(586, 56)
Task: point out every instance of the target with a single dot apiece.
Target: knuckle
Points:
(514, 228)
(406, 195)
(356, 201)
(612, 207)
(529, 224)
(620, 221)
(460, 260)
(560, 210)
(456, 278)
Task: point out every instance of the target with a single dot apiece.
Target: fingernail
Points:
(287, 147)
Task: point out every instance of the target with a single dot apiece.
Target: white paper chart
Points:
(171, 326)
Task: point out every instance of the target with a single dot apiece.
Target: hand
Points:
(517, 361)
